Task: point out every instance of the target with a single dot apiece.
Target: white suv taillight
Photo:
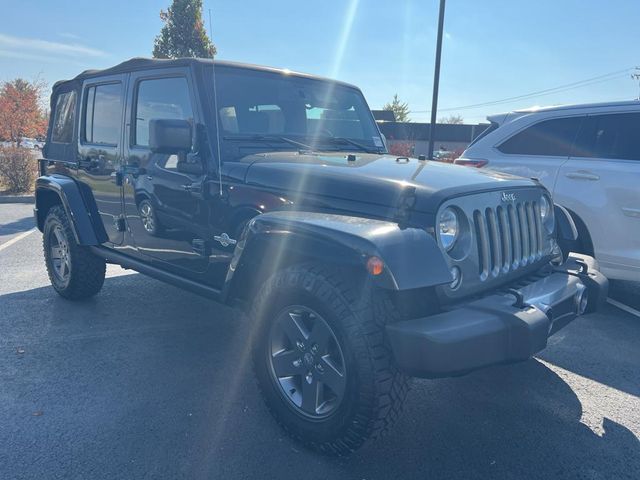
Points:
(471, 162)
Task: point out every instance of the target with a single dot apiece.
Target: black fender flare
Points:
(79, 206)
(565, 226)
(412, 258)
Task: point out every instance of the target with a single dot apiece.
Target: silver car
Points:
(588, 156)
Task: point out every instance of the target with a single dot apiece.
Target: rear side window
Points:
(160, 98)
(103, 114)
(615, 136)
(63, 120)
(549, 138)
(485, 132)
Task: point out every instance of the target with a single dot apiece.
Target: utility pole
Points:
(636, 76)
(436, 81)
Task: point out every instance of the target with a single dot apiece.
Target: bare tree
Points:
(452, 120)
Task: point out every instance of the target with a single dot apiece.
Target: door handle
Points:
(88, 163)
(582, 175)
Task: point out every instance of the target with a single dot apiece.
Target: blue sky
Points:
(492, 49)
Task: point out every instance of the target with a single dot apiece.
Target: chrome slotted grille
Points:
(507, 237)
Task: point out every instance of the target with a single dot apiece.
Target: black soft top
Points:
(136, 64)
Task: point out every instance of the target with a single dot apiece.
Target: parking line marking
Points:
(17, 238)
(624, 307)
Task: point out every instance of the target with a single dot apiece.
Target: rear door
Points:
(100, 148)
(601, 184)
(538, 150)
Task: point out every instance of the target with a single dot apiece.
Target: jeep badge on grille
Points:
(508, 197)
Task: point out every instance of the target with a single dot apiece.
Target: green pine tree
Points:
(183, 33)
(399, 109)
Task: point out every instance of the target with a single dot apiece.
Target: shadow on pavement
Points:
(146, 380)
(17, 226)
(626, 292)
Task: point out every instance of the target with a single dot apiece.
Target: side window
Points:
(610, 136)
(63, 120)
(103, 114)
(160, 98)
(548, 138)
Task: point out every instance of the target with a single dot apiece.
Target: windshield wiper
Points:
(351, 142)
(278, 138)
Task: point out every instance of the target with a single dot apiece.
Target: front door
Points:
(100, 149)
(166, 210)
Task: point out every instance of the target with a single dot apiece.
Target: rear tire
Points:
(74, 271)
(357, 391)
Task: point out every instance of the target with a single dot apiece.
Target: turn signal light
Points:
(471, 162)
(375, 265)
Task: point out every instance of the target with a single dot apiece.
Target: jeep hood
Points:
(371, 178)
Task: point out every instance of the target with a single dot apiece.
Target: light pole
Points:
(436, 81)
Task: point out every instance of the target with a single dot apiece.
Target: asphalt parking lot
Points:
(148, 381)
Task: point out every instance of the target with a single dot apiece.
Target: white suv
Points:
(588, 156)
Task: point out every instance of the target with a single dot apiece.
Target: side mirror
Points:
(169, 135)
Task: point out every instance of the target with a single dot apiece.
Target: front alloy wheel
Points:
(306, 362)
(321, 357)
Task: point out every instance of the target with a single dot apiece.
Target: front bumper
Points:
(498, 328)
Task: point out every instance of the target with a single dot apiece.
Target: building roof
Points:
(420, 131)
(384, 115)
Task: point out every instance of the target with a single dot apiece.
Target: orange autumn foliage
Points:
(21, 111)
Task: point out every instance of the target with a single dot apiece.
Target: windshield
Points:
(266, 111)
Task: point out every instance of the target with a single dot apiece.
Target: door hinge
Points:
(120, 223)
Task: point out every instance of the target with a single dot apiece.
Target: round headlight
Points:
(448, 228)
(546, 213)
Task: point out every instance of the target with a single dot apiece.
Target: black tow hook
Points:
(519, 303)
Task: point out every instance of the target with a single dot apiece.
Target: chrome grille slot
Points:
(483, 244)
(494, 242)
(505, 232)
(524, 234)
(507, 237)
(515, 236)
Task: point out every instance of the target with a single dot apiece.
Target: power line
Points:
(560, 88)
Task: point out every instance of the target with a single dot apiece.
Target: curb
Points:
(17, 199)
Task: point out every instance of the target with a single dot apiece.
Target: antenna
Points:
(215, 110)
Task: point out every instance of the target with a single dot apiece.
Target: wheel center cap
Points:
(308, 360)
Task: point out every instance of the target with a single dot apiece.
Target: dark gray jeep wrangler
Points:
(273, 189)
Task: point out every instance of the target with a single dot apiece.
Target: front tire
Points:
(322, 361)
(74, 271)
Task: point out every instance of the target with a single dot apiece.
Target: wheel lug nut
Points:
(314, 348)
(319, 368)
(297, 363)
(300, 345)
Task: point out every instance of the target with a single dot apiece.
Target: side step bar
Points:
(157, 273)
